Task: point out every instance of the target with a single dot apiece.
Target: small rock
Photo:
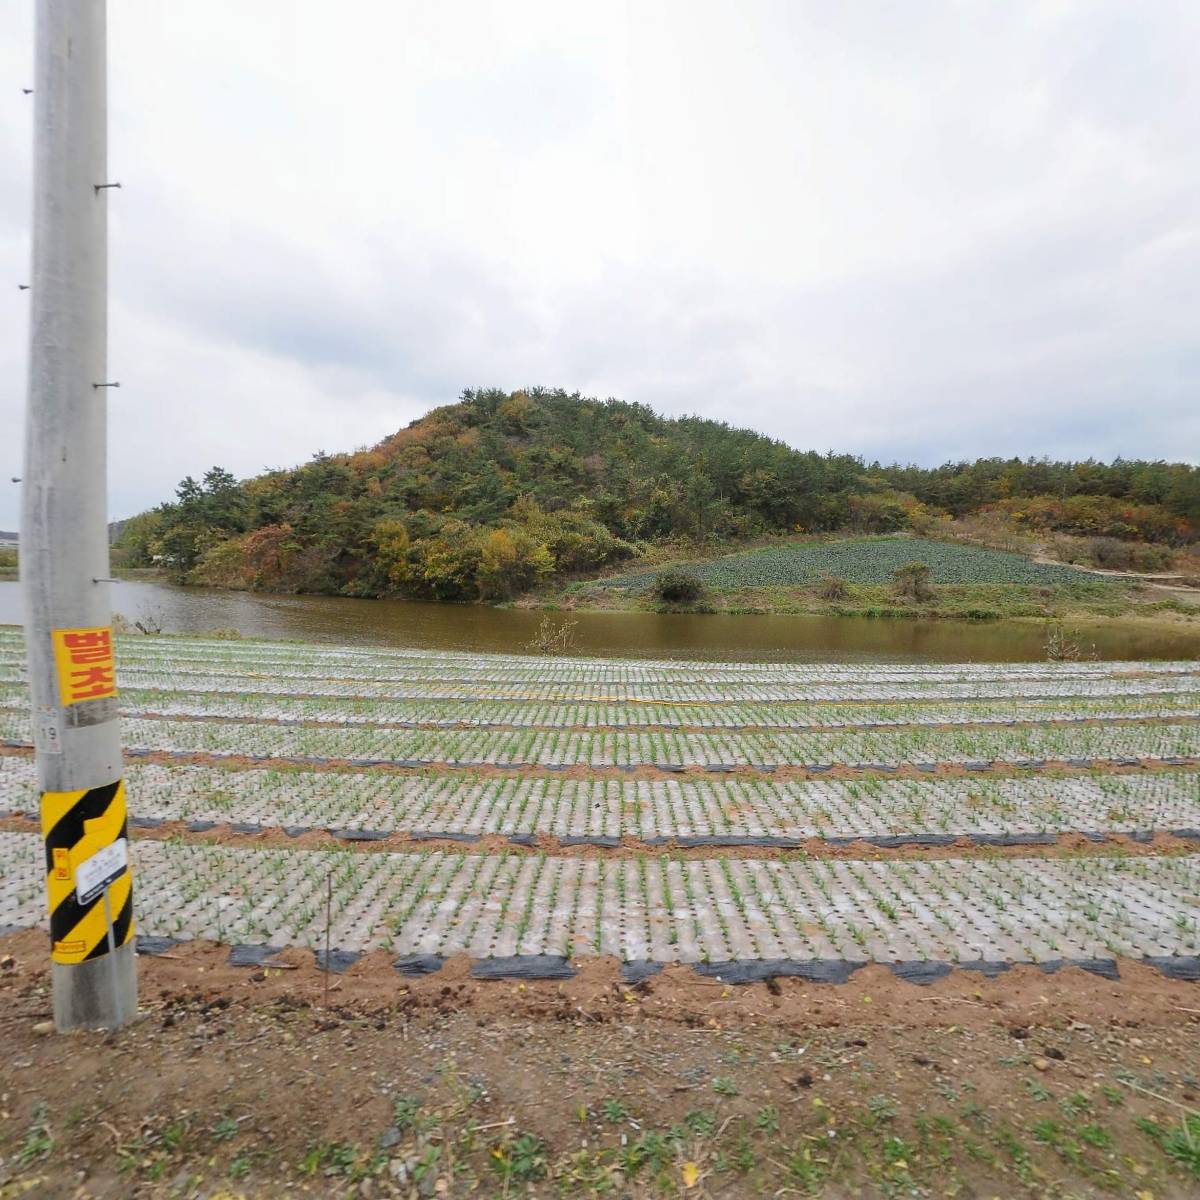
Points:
(390, 1137)
(1055, 1053)
(43, 1027)
(7, 962)
(1041, 1064)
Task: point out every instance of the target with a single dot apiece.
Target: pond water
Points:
(337, 619)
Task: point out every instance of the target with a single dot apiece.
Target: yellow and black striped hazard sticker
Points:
(75, 826)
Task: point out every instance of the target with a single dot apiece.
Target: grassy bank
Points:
(856, 577)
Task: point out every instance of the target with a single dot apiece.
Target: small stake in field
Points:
(328, 914)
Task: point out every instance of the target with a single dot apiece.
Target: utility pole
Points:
(63, 551)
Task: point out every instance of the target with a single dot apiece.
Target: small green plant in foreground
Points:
(1178, 1142)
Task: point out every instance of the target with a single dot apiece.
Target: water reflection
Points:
(651, 635)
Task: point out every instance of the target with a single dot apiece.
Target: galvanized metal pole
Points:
(64, 535)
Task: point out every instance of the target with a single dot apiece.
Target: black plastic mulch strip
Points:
(607, 843)
(978, 764)
(1185, 833)
(522, 839)
(296, 830)
(1106, 968)
(674, 767)
(1127, 762)
(339, 960)
(145, 822)
(925, 766)
(919, 972)
(252, 956)
(245, 827)
(1176, 966)
(523, 966)
(1032, 763)
(200, 826)
(146, 944)
(890, 841)
(863, 766)
(1078, 762)
(1140, 835)
(989, 968)
(432, 835)
(360, 835)
(720, 768)
(695, 841)
(755, 971)
(413, 965)
(638, 970)
(1014, 839)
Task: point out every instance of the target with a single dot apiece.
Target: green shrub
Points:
(678, 587)
(912, 581)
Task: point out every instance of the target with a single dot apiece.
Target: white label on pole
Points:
(47, 731)
(94, 874)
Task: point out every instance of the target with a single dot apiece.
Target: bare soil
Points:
(260, 1083)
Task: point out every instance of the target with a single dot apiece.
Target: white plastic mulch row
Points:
(1008, 910)
(540, 715)
(561, 748)
(703, 691)
(645, 809)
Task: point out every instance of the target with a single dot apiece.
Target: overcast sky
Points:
(914, 231)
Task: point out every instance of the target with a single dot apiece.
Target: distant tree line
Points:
(491, 496)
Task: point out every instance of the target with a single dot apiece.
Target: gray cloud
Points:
(914, 233)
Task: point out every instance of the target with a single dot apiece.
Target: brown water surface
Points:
(645, 635)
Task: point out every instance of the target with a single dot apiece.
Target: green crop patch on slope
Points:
(864, 561)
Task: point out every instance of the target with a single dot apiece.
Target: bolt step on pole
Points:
(63, 550)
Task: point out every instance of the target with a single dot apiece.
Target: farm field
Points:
(865, 560)
(576, 926)
(531, 813)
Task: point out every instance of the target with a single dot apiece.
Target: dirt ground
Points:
(256, 1082)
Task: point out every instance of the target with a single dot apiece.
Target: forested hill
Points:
(490, 496)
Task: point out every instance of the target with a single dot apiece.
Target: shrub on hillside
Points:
(832, 587)
(911, 581)
(1112, 554)
(678, 588)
